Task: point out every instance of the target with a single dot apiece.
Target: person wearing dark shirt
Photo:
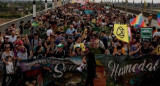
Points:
(5, 43)
(60, 53)
(91, 68)
(21, 27)
(119, 51)
(104, 39)
(111, 25)
(39, 52)
(145, 48)
(135, 49)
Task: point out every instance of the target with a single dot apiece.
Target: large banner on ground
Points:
(123, 70)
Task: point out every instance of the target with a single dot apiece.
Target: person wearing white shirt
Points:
(156, 33)
(12, 37)
(49, 32)
(9, 70)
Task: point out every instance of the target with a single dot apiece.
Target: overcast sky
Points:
(136, 1)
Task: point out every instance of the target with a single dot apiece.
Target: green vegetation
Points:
(10, 10)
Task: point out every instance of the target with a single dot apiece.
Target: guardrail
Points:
(136, 11)
(4, 26)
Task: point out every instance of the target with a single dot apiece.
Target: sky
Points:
(136, 1)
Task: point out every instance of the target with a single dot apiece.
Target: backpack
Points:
(33, 41)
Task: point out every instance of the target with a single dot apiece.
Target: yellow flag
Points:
(73, 2)
(59, 2)
(121, 32)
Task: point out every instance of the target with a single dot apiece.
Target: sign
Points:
(34, 24)
(122, 70)
(146, 34)
(88, 12)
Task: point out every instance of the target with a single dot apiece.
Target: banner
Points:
(121, 70)
(121, 32)
(146, 34)
(142, 71)
(88, 12)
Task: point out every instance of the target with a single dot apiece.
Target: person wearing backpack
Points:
(60, 52)
(35, 41)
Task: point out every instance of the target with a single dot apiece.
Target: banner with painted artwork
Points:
(51, 70)
(121, 71)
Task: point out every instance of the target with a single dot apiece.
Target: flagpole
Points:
(152, 6)
(133, 3)
(141, 6)
(144, 6)
(126, 3)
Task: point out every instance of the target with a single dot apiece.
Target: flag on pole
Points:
(158, 18)
(59, 2)
(129, 34)
(138, 21)
(121, 32)
(34, 24)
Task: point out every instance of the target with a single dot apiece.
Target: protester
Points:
(5, 43)
(9, 70)
(12, 37)
(35, 41)
(89, 59)
(51, 48)
(60, 52)
(21, 27)
(135, 49)
(74, 30)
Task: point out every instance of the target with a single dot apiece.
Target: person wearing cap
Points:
(77, 51)
(18, 41)
(5, 43)
(60, 52)
(78, 40)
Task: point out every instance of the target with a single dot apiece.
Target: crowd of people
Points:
(72, 30)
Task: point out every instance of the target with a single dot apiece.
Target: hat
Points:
(6, 36)
(60, 45)
(20, 43)
(78, 46)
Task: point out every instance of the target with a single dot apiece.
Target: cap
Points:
(6, 36)
(20, 43)
(78, 46)
(60, 45)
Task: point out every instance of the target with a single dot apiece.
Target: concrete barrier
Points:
(4, 26)
(134, 11)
